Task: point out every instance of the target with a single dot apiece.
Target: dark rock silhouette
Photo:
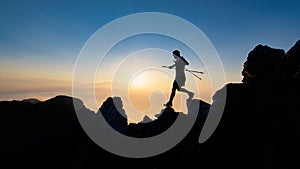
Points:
(266, 66)
(259, 127)
(146, 119)
(262, 65)
(49, 132)
(261, 115)
(165, 119)
(291, 62)
(42, 135)
(113, 112)
(31, 100)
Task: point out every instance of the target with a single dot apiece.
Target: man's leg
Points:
(191, 94)
(175, 86)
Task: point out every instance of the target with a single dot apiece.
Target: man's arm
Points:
(170, 67)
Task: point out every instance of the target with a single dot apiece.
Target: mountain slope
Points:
(49, 133)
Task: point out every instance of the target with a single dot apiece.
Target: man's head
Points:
(176, 53)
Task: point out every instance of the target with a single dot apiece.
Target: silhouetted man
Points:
(179, 64)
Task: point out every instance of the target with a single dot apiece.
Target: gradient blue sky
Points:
(41, 39)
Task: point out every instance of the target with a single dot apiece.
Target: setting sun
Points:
(139, 81)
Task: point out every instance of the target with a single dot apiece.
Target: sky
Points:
(41, 40)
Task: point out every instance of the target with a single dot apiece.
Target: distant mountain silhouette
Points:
(31, 100)
(259, 127)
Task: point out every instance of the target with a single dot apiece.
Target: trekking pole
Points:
(195, 71)
(191, 71)
(195, 74)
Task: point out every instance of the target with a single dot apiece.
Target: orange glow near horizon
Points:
(148, 90)
(145, 98)
(143, 93)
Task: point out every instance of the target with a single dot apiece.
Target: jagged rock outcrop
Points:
(266, 66)
(261, 114)
(113, 112)
(262, 65)
(112, 107)
(291, 62)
